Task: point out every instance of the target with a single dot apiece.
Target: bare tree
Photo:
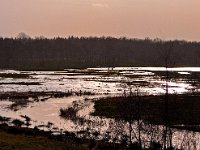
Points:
(23, 36)
(167, 135)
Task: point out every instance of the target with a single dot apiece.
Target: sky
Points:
(165, 19)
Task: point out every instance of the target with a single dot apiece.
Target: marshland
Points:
(121, 105)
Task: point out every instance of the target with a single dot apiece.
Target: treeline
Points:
(72, 52)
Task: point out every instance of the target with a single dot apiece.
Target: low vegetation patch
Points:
(13, 75)
(182, 109)
(21, 83)
(25, 138)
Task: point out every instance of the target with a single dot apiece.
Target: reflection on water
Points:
(102, 82)
(98, 80)
(48, 111)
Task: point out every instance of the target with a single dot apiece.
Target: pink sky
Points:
(166, 19)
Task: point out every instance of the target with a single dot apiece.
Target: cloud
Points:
(101, 5)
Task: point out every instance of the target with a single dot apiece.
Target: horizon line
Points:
(93, 36)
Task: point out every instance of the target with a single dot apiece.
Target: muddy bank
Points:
(26, 138)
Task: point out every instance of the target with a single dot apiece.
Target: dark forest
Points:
(59, 53)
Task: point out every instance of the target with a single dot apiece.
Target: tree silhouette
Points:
(59, 53)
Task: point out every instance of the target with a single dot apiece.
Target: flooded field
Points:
(86, 86)
(98, 80)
